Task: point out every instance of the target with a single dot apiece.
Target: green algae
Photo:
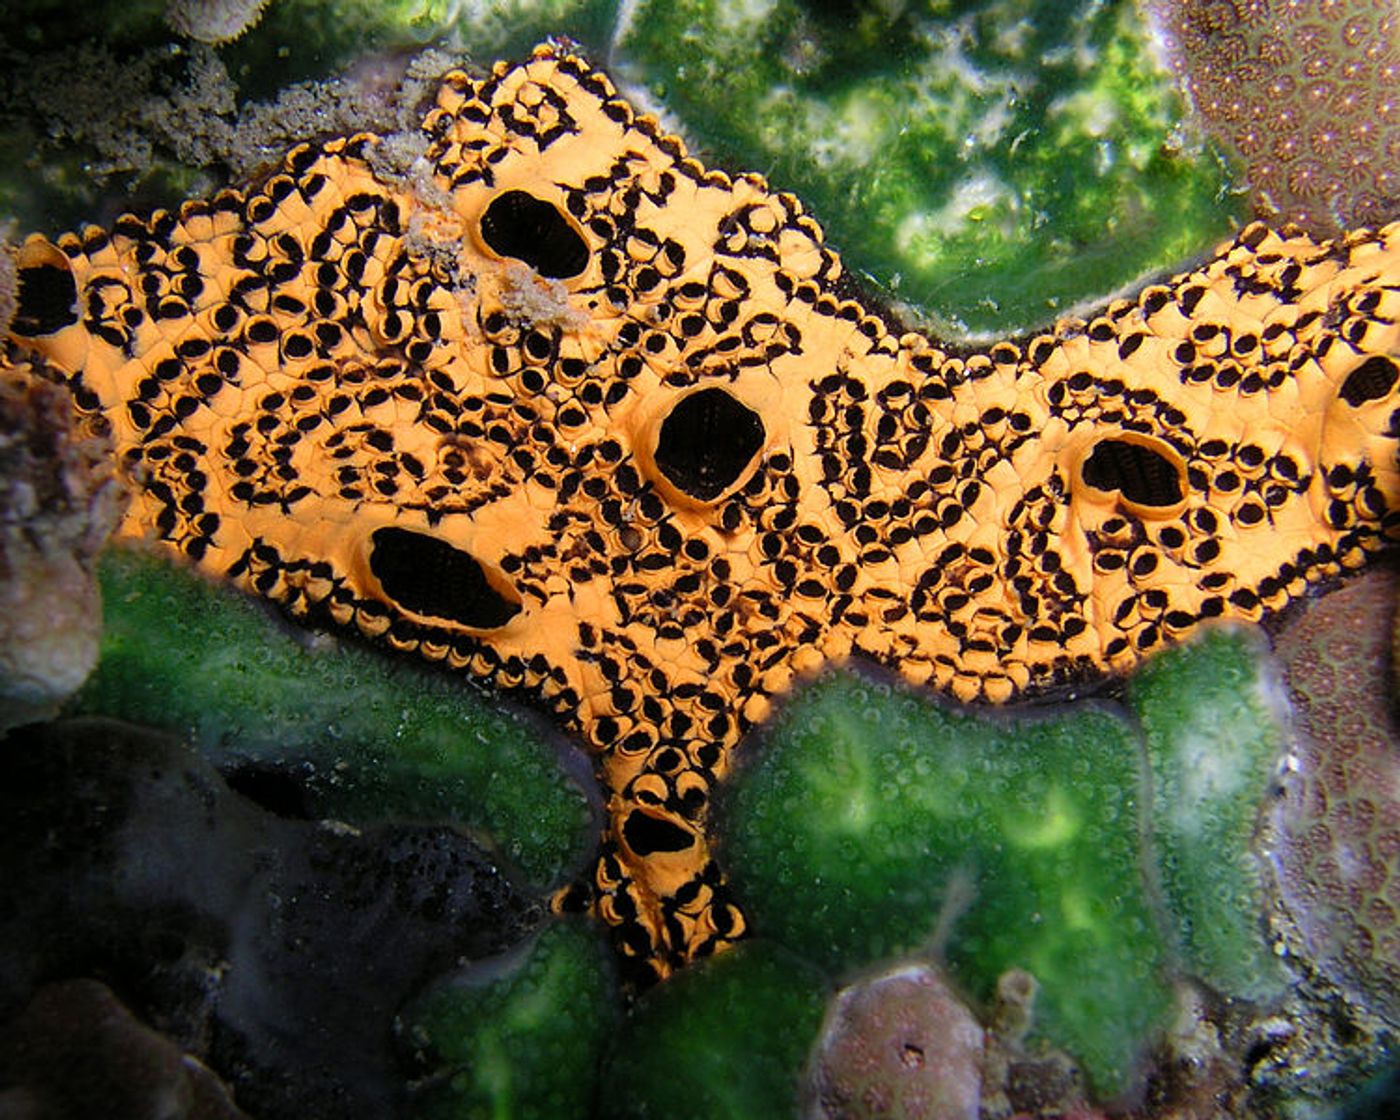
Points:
(38, 24)
(872, 822)
(984, 165)
(371, 737)
(1214, 738)
(989, 163)
(524, 1044)
(723, 1040)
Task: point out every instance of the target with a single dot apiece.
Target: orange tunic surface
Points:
(560, 407)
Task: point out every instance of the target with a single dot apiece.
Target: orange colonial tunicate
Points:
(583, 418)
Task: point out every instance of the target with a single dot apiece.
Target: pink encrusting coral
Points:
(901, 1044)
(214, 21)
(1337, 823)
(1306, 92)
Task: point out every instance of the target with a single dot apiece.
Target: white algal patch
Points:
(1091, 111)
(743, 16)
(1212, 774)
(848, 134)
(976, 197)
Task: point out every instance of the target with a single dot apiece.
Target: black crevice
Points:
(706, 442)
(519, 225)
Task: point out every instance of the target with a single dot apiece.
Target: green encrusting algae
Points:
(725, 1039)
(366, 737)
(989, 164)
(526, 1044)
(872, 822)
(1212, 719)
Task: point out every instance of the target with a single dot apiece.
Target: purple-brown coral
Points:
(1307, 92)
(899, 1045)
(1337, 823)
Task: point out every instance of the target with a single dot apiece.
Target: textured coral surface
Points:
(1305, 93)
(1339, 819)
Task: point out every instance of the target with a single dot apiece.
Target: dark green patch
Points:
(364, 737)
(525, 1044)
(724, 1040)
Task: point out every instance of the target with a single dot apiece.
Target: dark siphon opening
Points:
(428, 576)
(1370, 381)
(706, 442)
(519, 225)
(647, 834)
(47, 301)
(1140, 474)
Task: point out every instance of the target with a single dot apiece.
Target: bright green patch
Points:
(871, 822)
(523, 1045)
(1214, 739)
(372, 737)
(988, 163)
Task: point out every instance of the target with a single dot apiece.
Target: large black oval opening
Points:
(1370, 381)
(427, 576)
(519, 225)
(1140, 474)
(47, 301)
(647, 835)
(706, 442)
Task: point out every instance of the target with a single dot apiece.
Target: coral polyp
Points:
(1304, 92)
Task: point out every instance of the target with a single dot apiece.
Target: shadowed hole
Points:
(47, 301)
(647, 834)
(1139, 473)
(706, 442)
(278, 789)
(427, 576)
(1370, 381)
(522, 226)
